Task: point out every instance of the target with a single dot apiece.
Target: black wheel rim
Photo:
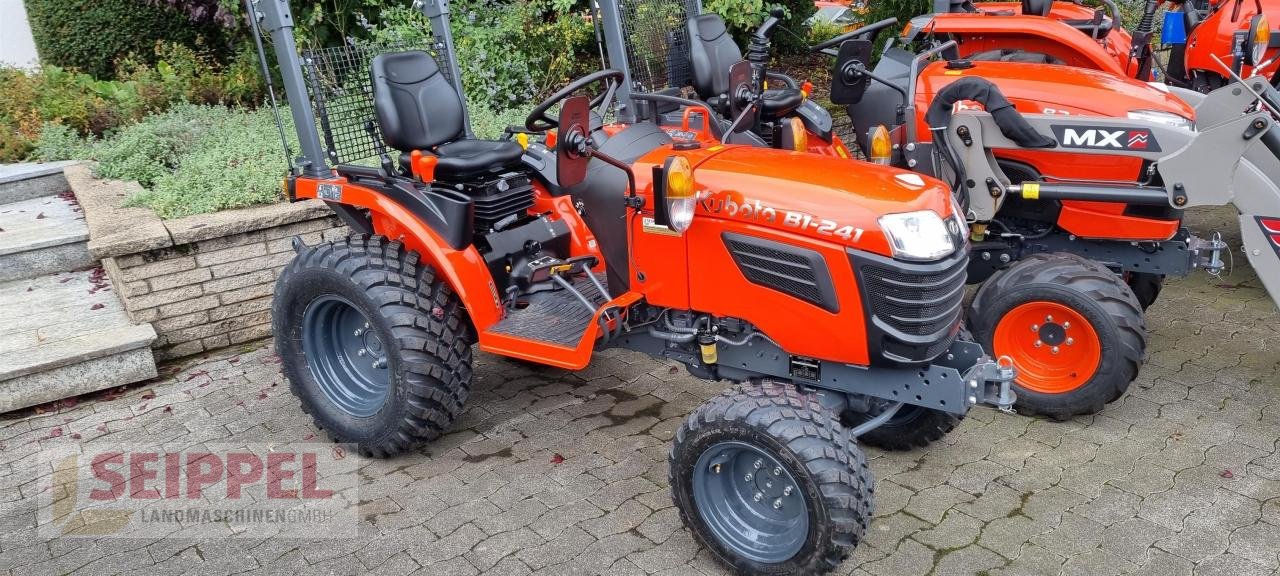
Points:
(750, 502)
(346, 356)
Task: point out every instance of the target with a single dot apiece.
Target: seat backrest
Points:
(711, 52)
(417, 107)
(1036, 7)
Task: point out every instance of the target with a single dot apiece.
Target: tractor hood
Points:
(820, 197)
(1047, 89)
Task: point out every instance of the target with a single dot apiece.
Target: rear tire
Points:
(770, 482)
(912, 427)
(1146, 287)
(1086, 356)
(414, 327)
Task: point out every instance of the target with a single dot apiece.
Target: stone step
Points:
(20, 182)
(41, 236)
(67, 334)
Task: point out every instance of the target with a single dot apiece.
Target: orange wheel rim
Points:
(1054, 347)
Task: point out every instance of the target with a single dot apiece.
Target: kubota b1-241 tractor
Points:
(818, 294)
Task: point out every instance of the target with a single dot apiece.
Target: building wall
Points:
(17, 48)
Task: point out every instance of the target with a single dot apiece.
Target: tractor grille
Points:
(788, 269)
(342, 96)
(914, 308)
(657, 42)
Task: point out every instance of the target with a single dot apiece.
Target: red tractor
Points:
(831, 304)
(1207, 38)
(1101, 317)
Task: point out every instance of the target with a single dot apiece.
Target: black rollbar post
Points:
(252, 16)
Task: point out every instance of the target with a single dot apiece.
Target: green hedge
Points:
(90, 35)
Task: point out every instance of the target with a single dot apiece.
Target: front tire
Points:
(770, 482)
(372, 343)
(1073, 328)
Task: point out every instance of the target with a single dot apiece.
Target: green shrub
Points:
(903, 10)
(89, 35)
(238, 163)
(58, 142)
(744, 16)
(14, 145)
(490, 124)
(510, 53)
(152, 148)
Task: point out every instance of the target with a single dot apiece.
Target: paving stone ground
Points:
(1182, 476)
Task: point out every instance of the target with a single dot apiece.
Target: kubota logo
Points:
(1102, 137)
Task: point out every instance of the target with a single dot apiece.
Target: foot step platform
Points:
(556, 317)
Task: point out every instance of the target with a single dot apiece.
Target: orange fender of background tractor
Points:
(979, 32)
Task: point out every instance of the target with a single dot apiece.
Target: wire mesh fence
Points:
(657, 42)
(342, 96)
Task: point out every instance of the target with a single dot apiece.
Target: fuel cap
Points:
(959, 64)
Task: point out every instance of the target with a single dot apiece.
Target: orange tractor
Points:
(1209, 39)
(815, 294)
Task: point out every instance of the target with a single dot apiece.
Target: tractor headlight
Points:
(1166, 118)
(1255, 44)
(681, 199)
(920, 235)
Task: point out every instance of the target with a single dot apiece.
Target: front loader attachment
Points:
(1233, 157)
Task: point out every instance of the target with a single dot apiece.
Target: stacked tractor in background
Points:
(687, 202)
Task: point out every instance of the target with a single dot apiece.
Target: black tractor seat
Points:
(712, 52)
(418, 109)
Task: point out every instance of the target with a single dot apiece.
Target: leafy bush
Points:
(744, 16)
(154, 147)
(511, 53)
(58, 142)
(903, 10)
(89, 35)
(823, 31)
(197, 159)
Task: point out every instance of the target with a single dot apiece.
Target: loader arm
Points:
(1232, 158)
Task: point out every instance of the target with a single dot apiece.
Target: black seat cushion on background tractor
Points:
(1036, 7)
(602, 193)
(418, 109)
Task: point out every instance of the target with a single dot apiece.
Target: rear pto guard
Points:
(1231, 158)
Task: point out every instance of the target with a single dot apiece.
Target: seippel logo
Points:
(1106, 138)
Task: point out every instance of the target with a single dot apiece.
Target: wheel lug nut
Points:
(1071, 341)
(786, 491)
(1054, 349)
(1039, 343)
(1066, 325)
(749, 477)
(715, 468)
(358, 332)
(360, 352)
(777, 470)
(777, 504)
(759, 463)
(759, 496)
(1048, 318)
(1035, 327)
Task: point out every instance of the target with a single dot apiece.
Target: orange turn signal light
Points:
(881, 146)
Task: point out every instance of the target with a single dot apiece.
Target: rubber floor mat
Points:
(554, 317)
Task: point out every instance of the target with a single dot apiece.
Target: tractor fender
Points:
(462, 268)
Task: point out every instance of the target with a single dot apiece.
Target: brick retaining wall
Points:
(203, 282)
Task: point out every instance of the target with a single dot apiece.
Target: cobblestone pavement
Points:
(1181, 476)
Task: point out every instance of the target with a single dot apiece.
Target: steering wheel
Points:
(540, 121)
